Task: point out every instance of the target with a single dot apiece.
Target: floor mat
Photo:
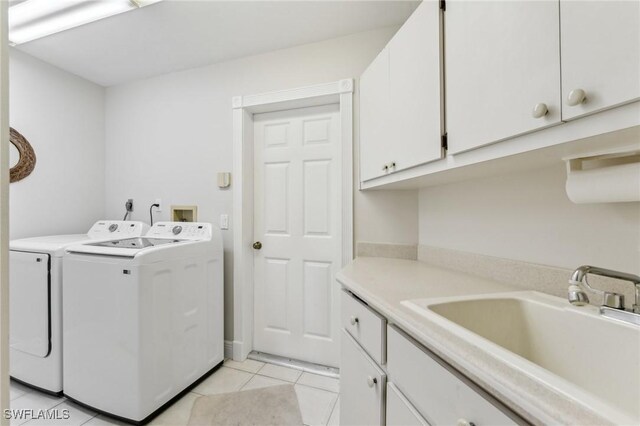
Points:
(275, 405)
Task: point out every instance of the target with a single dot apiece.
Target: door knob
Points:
(257, 245)
(539, 111)
(576, 97)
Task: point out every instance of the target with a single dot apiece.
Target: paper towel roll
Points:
(613, 184)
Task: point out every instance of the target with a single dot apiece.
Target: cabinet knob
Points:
(257, 245)
(540, 110)
(576, 97)
(464, 422)
(387, 167)
(371, 381)
(354, 320)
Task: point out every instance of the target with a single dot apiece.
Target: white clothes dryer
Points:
(35, 300)
(143, 318)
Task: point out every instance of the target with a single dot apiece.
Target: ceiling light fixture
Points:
(33, 19)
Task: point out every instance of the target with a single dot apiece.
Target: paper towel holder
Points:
(601, 159)
(604, 177)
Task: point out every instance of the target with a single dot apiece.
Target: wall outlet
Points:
(129, 205)
(224, 221)
(159, 203)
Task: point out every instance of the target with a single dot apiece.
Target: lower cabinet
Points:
(400, 412)
(362, 386)
(437, 393)
(417, 388)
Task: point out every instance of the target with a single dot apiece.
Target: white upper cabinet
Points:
(499, 78)
(415, 82)
(374, 117)
(600, 55)
(502, 70)
(400, 98)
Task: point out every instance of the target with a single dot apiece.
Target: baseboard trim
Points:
(239, 352)
(228, 349)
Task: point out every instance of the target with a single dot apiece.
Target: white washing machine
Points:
(143, 318)
(35, 301)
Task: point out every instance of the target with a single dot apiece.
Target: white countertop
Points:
(384, 283)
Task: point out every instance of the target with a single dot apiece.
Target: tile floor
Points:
(317, 395)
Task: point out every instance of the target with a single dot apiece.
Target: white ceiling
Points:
(180, 34)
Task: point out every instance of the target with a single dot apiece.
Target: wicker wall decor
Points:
(27, 161)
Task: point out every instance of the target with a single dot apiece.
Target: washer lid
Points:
(128, 247)
(136, 243)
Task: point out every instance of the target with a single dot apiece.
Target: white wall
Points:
(62, 116)
(168, 136)
(528, 217)
(386, 217)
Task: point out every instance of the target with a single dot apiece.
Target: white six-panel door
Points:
(297, 211)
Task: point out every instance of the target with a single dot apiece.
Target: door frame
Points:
(244, 107)
(4, 211)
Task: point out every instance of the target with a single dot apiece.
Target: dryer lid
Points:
(53, 244)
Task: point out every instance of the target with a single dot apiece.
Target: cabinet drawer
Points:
(400, 412)
(439, 394)
(362, 386)
(365, 325)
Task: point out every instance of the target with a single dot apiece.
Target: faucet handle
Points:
(613, 300)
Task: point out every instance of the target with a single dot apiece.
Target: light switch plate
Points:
(224, 221)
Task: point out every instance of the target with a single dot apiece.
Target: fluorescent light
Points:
(33, 19)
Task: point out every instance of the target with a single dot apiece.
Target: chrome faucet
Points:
(578, 297)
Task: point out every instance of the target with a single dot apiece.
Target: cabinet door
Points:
(502, 62)
(400, 412)
(415, 58)
(374, 117)
(441, 396)
(600, 55)
(362, 386)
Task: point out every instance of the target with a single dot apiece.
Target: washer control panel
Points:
(114, 229)
(181, 230)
